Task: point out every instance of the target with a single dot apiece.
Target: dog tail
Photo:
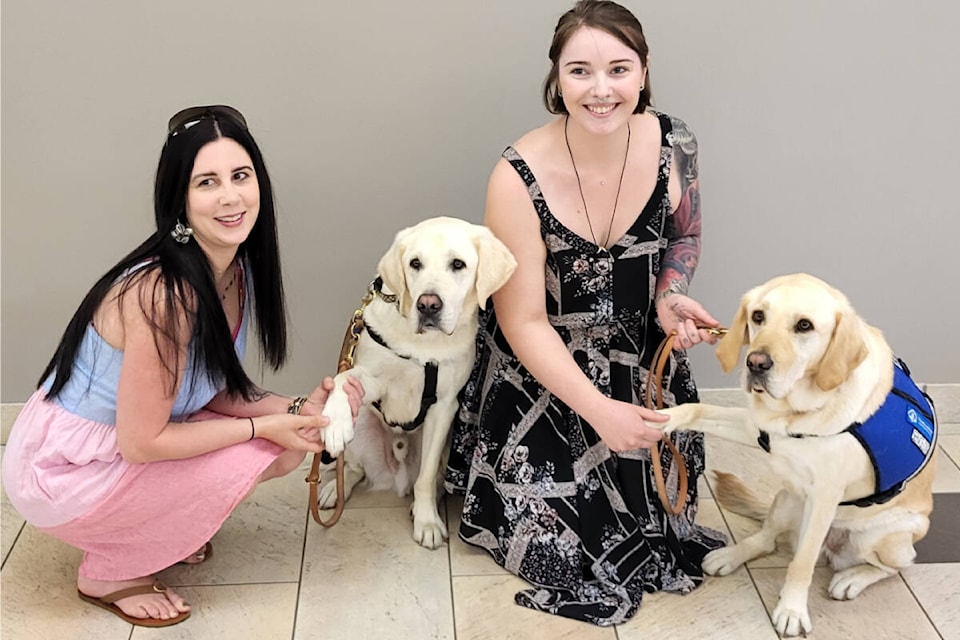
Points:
(733, 494)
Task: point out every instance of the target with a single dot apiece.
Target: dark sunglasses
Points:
(185, 119)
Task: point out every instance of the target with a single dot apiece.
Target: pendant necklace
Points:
(233, 278)
(566, 137)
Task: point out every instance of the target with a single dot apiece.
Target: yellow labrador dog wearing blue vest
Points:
(850, 437)
(415, 354)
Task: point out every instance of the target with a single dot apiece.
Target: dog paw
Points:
(327, 495)
(849, 583)
(680, 419)
(791, 619)
(429, 530)
(722, 562)
(338, 434)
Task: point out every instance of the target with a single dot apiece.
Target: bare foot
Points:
(161, 605)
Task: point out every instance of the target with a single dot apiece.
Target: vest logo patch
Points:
(919, 422)
(922, 443)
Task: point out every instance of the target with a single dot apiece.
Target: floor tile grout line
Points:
(16, 539)
(303, 561)
(450, 534)
(756, 590)
(920, 604)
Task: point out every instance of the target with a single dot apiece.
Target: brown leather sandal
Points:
(107, 602)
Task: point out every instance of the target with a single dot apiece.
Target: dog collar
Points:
(377, 287)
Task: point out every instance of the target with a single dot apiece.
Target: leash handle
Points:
(313, 479)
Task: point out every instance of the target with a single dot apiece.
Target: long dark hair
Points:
(183, 280)
(606, 16)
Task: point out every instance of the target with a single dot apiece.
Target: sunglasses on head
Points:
(185, 119)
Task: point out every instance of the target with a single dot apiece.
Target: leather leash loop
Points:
(344, 363)
(655, 388)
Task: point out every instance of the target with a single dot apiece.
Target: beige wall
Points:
(828, 144)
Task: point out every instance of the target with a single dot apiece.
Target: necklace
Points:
(226, 289)
(623, 169)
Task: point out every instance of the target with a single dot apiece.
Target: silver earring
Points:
(642, 86)
(181, 233)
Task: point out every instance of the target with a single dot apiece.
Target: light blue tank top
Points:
(91, 392)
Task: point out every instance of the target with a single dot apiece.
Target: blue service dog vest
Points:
(900, 437)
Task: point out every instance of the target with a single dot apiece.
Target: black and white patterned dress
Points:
(544, 495)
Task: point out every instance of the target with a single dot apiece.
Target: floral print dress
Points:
(544, 495)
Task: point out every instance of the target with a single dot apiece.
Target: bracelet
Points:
(297, 405)
(253, 431)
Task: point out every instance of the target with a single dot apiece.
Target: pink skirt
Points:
(144, 517)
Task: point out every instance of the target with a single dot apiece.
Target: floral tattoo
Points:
(682, 229)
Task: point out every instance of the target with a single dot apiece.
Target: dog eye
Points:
(804, 326)
(458, 264)
(415, 264)
(758, 317)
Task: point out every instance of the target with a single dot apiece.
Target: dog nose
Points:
(759, 362)
(429, 304)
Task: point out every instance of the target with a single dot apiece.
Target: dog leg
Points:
(889, 555)
(781, 517)
(791, 616)
(352, 475)
(429, 529)
(340, 431)
(729, 423)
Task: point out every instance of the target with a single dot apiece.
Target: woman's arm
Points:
(675, 310)
(683, 228)
(146, 393)
(521, 312)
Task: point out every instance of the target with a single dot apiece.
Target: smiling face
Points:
(600, 78)
(223, 197)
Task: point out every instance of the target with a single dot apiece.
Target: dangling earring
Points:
(181, 233)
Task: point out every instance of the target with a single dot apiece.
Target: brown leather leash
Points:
(345, 363)
(655, 381)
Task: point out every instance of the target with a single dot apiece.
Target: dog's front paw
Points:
(722, 561)
(429, 529)
(339, 432)
(681, 417)
(791, 618)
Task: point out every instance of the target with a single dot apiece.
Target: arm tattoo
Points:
(682, 229)
(259, 394)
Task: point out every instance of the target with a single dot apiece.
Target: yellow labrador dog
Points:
(413, 357)
(850, 437)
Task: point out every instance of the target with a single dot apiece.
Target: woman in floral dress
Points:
(551, 446)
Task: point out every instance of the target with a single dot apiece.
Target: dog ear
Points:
(728, 349)
(393, 274)
(846, 350)
(495, 264)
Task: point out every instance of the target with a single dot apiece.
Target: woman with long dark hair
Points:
(145, 432)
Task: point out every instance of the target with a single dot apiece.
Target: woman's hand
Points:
(623, 426)
(318, 398)
(683, 314)
(290, 431)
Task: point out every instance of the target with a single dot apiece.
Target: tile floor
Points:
(278, 575)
